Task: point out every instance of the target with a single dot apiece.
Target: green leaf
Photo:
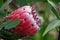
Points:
(22, 2)
(2, 13)
(52, 25)
(9, 24)
(5, 34)
(43, 27)
(1, 2)
(48, 37)
(52, 7)
(56, 1)
(42, 0)
(5, 4)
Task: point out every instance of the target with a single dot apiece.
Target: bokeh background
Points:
(47, 10)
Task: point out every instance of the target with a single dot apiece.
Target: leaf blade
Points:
(52, 7)
(9, 24)
(52, 25)
(5, 4)
(22, 3)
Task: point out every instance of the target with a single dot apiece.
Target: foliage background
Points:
(48, 11)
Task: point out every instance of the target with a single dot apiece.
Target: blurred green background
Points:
(47, 10)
